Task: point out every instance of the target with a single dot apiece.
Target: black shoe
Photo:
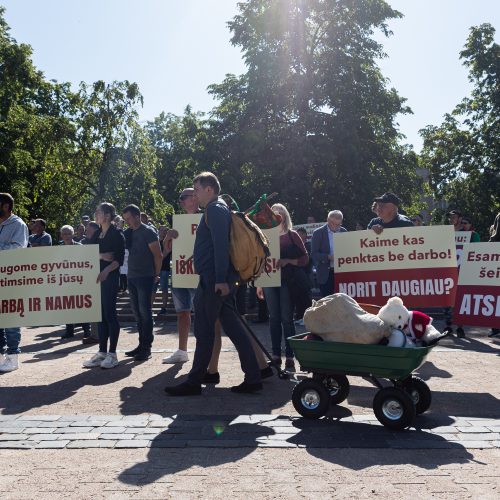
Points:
(266, 372)
(448, 330)
(246, 388)
(133, 352)
(67, 335)
(142, 356)
(277, 360)
(211, 378)
(460, 332)
(184, 389)
(494, 332)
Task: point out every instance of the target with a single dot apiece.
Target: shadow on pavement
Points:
(469, 343)
(457, 404)
(20, 399)
(429, 370)
(238, 441)
(326, 439)
(47, 341)
(151, 397)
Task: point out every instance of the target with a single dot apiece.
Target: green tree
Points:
(33, 125)
(462, 154)
(312, 117)
(184, 146)
(62, 152)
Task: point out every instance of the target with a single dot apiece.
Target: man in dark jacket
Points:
(389, 216)
(215, 295)
(322, 251)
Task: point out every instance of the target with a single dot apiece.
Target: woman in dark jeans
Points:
(111, 252)
(279, 301)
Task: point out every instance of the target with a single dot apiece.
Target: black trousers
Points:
(208, 307)
(328, 287)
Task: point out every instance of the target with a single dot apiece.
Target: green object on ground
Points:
(357, 359)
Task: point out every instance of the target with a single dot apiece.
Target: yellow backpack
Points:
(248, 247)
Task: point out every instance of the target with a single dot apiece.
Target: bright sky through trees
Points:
(174, 49)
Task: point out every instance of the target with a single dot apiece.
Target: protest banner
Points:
(461, 238)
(478, 294)
(310, 228)
(49, 286)
(418, 264)
(183, 272)
(271, 275)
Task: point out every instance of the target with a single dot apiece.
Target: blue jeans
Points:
(109, 328)
(10, 337)
(140, 290)
(280, 318)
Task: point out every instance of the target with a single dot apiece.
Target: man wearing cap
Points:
(455, 218)
(389, 217)
(182, 297)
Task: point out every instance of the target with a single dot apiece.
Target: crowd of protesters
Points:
(137, 259)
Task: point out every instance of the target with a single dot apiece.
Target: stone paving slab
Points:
(250, 430)
(263, 473)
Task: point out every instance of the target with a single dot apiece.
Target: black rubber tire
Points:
(338, 387)
(311, 399)
(420, 394)
(394, 408)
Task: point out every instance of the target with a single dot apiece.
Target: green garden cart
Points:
(329, 363)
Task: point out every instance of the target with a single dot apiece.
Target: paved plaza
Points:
(69, 432)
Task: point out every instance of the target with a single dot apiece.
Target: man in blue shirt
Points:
(13, 236)
(215, 295)
(38, 237)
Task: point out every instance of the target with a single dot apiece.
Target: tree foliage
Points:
(462, 154)
(62, 152)
(312, 117)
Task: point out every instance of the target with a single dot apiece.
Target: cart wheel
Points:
(394, 408)
(419, 392)
(310, 398)
(338, 387)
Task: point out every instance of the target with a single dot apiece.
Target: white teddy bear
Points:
(416, 325)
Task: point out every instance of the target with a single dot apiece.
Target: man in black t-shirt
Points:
(144, 265)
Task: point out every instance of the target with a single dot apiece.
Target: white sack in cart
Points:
(339, 318)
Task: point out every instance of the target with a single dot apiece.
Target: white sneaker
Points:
(95, 360)
(177, 357)
(9, 363)
(110, 361)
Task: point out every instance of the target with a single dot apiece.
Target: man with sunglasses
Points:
(182, 297)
